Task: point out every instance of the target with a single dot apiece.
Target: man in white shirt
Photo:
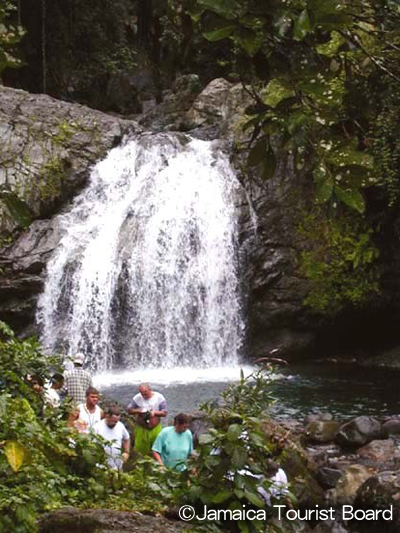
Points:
(89, 412)
(149, 407)
(115, 433)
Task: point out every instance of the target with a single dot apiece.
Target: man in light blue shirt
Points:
(174, 444)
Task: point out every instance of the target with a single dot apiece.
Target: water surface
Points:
(343, 391)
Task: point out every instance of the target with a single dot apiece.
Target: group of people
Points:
(169, 446)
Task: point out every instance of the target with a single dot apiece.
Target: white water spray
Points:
(146, 272)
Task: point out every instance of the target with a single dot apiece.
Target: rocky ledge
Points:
(71, 520)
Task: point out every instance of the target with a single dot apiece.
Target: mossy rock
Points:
(300, 469)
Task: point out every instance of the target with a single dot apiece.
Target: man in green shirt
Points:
(174, 444)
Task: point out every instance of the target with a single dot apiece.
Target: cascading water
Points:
(146, 273)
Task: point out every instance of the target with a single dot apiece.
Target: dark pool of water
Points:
(299, 390)
(344, 391)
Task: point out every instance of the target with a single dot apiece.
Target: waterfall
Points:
(146, 272)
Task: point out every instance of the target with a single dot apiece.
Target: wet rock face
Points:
(47, 148)
(353, 476)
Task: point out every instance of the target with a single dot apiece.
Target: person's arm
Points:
(133, 408)
(157, 448)
(157, 457)
(191, 443)
(161, 411)
(126, 446)
(72, 417)
(159, 414)
(133, 411)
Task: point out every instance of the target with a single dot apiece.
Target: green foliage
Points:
(17, 208)
(341, 264)
(20, 359)
(49, 183)
(39, 463)
(386, 144)
(10, 36)
(317, 71)
(44, 465)
(183, 50)
(233, 452)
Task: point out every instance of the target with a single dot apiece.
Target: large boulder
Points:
(322, 430)
(359, 431)
(380, 492)
(391, 427)
(221, 103)
(344, 493)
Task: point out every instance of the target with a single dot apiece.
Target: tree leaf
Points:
(351, 197)
(222, 496)
(218, 35)
(228, 9)
(234, 432)
(258, 152)
(324, 189)
(249, 40)
(268, 165)
(254, 499)
(275, 92)
(302, 26)
(206, 438)
(347, 156)
(239, 458)
(15, 454)
(243, 526)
